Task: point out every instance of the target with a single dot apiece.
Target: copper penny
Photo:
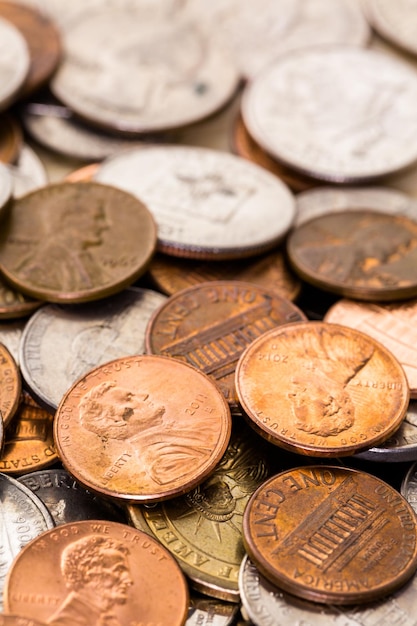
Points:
(28, 443)
(171, 274)
(391, 324)
(76, 242)
(331, 534)
(359, 254)
(83, 174)
(96, 572)
(43, 40)
(321, 389)
(210, 325)
(10, 385)
(11, 139)
(14, 304)
(142, 428)
(17, 620)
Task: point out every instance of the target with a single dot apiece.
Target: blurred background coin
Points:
(15, 62)
(396, 21)
(11, 138)
(28, 173)
(10, 385)
(6, 188)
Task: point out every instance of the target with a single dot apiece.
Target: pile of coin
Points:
(207, 357)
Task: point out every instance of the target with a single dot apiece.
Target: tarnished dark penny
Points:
(83, 174)
(271, 271)
(43, 40)
(76, 242)
(331, 534)
(321, 389)
(11, 139)
(28, 443)
(210, 325)
(14, 304)
(142, 428)
(97, 573)
(10, 385)
(359, 254)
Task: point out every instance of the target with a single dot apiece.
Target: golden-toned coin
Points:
(321, 389)
(210, 325)
(96, 572)
(11, 139)
(142, 428)
(28, 443)
(359, 254)
(331, 534)
(10, 385)
(171, 274)
(75, 242)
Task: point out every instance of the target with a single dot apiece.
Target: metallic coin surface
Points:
(11, 139)
(28, 443)
(270, 270)
(207, 203)
(66, 500)
(28, 173)
(10, 385)
(10, 335)
(142, 428)
(15, 61)
(409, 486)
(331, 534)
(74, 242)
(162, 74)
(16, 620)
(97, 572)
(392, 324)
(358, 254)
(334, 125)
(14, 304)
(206, 611)
(5, 188)
(321, 389)
(210, 325)
(61, 343)
(43, 40)
(396, 21)
(83, 174)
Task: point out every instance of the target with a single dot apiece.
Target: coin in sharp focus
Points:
(76, 242)
(97, 572)
(392, 324)
(11, 138)
(208, 204)
(321, 389)
(29, 173)
(365, 255)
(270, 271)
(10, 385)
(66, 500)
(394, 21)
(142, 428)
(331, 534)
(43, 40)
(166, 85)
(206, 611)
(409, 486)
(210, 325)
(15, 57)
(323, 200)
(333, 125)
(203, 529)
(61, 343)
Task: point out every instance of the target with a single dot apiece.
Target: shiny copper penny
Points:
(10, 385)
(331, 534)
(358, 254)
(43, 40)
(83, 174)
(393, 325)
(96, 572)
(76, 242)
(11, 139)
(142, 428)
(17, 620)
(171, 274)
(210, 325)
(321, 389)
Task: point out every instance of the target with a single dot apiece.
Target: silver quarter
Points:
(396, 21)
(29, 173)
(207, 204)
(6, 187)
(61, 343)
(14, 62)
(11, 334)
(336, 113)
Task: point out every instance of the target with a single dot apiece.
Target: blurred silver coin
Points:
(61, 343)
(128, 72)
(321, 200)
(14, 62)
(29, 173)
(336, 113)
(395, 20)
(6, 187)
(409, 486)
(207, 204)
(11, 334)
(206, 611)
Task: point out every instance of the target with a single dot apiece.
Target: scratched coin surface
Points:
(10, 385)
(331, 534)
(321, 389)
(15, 62)
(396, 21)
(331, 124)
(73, 242)
(210, 325)
(358, 254)
(142, 428)
(97, 573)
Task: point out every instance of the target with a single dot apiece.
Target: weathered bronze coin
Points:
(76, 242)
(321, 389)
(14, 304)
(17, 620)
(96, 572)
(43, 40)
(359, 254)
(11, 139)
(142, 428)
(10, 385)
(210, 325)
(331, 534)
